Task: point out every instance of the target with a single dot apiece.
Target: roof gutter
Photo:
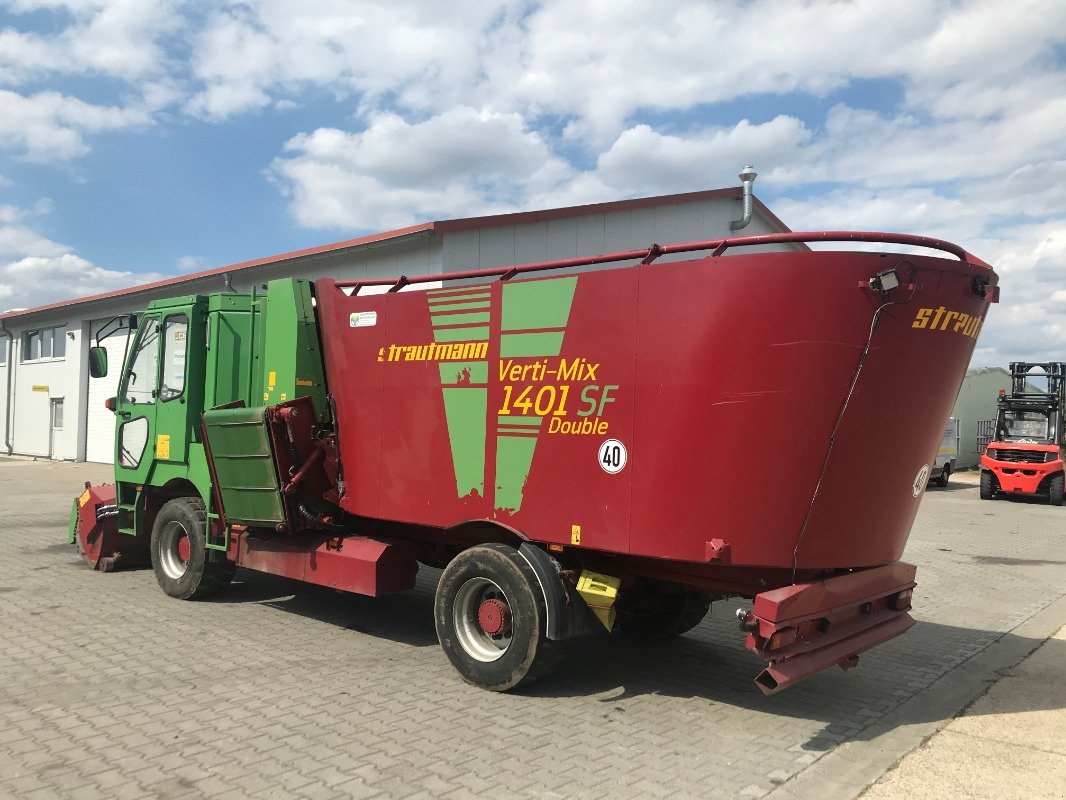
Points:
(9, 408)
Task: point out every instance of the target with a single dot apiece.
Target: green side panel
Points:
(480, 305)
(515, 419)
(465, 411)
(471, 318)
(480, 333)
(290, 363)
(514, 454)
(229, 362)
(458, 297)
(452, 372)
(244, 465)
(538, 304)
(72, 526)
(517, 345)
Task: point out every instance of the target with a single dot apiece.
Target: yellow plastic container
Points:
(600, 592)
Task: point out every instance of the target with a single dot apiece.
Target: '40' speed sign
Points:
(612, 456)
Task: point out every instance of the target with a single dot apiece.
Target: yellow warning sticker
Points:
(272, 379)
(162, 446)
(575, 534)
(84, 498)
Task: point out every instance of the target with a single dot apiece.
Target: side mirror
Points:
(97, 362)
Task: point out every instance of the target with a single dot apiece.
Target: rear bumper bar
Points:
(807, 628)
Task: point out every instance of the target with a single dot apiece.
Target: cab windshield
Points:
(1017, 425)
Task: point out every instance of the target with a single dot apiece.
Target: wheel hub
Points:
(183, 549)
(494, 617)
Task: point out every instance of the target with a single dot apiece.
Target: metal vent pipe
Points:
(747, 178)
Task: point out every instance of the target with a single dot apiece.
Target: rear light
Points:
(109, 404)
(901, 601)
(781, 638)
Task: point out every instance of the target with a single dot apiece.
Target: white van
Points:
(944, 464)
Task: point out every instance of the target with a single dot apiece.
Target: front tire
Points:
(988, 486)
(1055, 490)
(183, 566)
(490, 619)
(942, 478)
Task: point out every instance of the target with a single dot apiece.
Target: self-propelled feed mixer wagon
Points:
(577, 449)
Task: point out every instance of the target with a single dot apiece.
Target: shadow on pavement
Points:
(710, 662)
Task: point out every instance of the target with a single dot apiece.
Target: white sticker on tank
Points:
(363, 319)
(920, 480)
(612, 456)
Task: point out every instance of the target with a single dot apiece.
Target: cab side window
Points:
(142, 381)
(175, 337)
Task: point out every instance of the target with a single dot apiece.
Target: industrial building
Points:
(975, 409)
(50, 408)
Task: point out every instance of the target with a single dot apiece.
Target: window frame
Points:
(36, 338)
(162, 384)
(142, 331)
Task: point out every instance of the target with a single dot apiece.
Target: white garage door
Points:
(99, 422)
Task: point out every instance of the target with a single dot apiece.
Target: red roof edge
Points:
(258, 262)
(568, 212)
(441, 226)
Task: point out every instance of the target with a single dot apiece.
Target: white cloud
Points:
(50, 126)
(35, 270)
(395, 173)
(114, 38)
(486, 106)
(424, 55)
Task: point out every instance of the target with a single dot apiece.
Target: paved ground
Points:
(110, 689)
(1010, 745)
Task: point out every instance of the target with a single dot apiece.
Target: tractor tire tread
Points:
(207, 578)
(1055, 490)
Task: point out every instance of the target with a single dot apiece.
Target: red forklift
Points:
(1026, 457)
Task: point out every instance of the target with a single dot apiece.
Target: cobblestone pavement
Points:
(110, 689)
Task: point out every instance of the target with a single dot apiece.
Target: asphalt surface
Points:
(108, 688)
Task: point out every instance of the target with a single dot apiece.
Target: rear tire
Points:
(988, 486)
(490, 619)
(1055, 490)
(942, 478)
(183, 566)
(657, 614)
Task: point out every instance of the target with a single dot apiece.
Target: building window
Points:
(3, 352)
(44, 343)
(57, 414)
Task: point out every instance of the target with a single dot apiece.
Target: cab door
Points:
(135, 405)
(178, 399)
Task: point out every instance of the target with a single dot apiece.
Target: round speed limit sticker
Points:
(612, 456)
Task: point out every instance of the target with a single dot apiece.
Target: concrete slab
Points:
(1009, 744)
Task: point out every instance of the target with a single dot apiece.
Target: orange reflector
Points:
(902, 601)
(556, 548)
(781, 638)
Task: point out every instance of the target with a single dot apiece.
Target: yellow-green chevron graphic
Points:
(462, 315)
(533, 320)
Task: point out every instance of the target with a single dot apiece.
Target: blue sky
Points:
(141, 138)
